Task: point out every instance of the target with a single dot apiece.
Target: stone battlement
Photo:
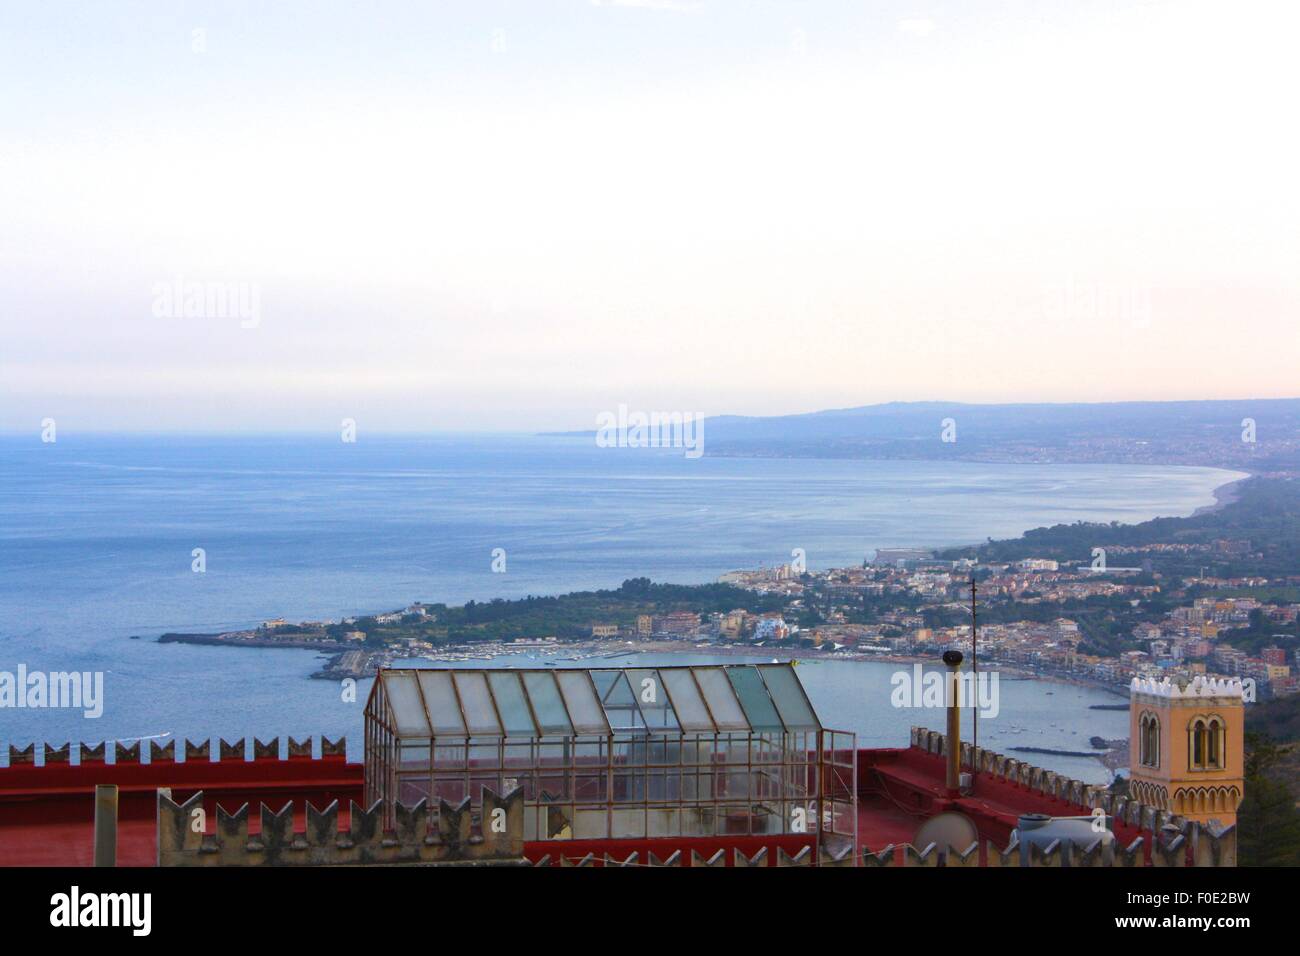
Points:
(1167, 839)
(492, 832)
(1199, 687)
(278, 822)
(1024, 774)
(125, 753)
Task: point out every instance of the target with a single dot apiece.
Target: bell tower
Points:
(1185, 747)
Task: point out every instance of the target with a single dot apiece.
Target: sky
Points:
(517, 215)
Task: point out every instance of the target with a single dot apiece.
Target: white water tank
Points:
(1040, 830)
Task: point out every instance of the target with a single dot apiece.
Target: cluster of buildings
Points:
(1186, 643)
(783, 580)
(671, 624)
(689, 625)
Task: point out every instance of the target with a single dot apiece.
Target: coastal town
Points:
(1196, 602)
(1190, 639)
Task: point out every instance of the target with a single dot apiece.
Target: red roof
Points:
(47, 812)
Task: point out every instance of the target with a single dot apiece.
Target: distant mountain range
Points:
(1192, 433)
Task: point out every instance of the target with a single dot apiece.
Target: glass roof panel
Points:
(618, 701)
(552, 718)
(765, 698)
(440, 701)
(512, 705)
(721, 698)
(688, 705)
(404, 701)
(476, 702)
(788, 695)
(653, 699)
(754, 699)
(580, 699)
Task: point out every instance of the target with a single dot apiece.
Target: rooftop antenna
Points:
(952, 741)
(975, 682)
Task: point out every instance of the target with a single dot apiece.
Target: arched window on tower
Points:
(1149, 740)
(1214, 744)
(1207, 743)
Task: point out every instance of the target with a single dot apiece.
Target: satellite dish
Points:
(949, 829)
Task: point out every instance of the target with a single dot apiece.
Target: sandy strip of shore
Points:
(1224, 495)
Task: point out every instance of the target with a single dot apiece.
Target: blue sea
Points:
(97, 535)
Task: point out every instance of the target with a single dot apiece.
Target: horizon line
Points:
(13, 430)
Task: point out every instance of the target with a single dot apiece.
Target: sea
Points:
(100, 536)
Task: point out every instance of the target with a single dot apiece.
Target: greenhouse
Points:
(639, 752)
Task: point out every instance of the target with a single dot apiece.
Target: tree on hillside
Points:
(1268, 823)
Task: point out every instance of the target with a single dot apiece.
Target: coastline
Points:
(351, 662)
(342, 662)
(595, 651)
(1224, 495)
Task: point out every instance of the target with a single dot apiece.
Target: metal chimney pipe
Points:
(952, 746)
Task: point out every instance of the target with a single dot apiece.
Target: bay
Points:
(97, 535)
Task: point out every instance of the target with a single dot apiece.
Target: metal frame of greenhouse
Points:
(616, 753)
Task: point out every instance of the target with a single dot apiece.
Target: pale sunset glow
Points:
(513, 216)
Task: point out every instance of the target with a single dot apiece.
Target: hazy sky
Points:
(516, 215)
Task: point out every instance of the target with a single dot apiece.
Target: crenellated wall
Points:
(1019, 772)
(734, 858)
(1165, 839)
(128, 753)
(490, 833)
(46, 814)
(39, 800)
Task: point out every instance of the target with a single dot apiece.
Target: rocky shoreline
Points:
(230, 640)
